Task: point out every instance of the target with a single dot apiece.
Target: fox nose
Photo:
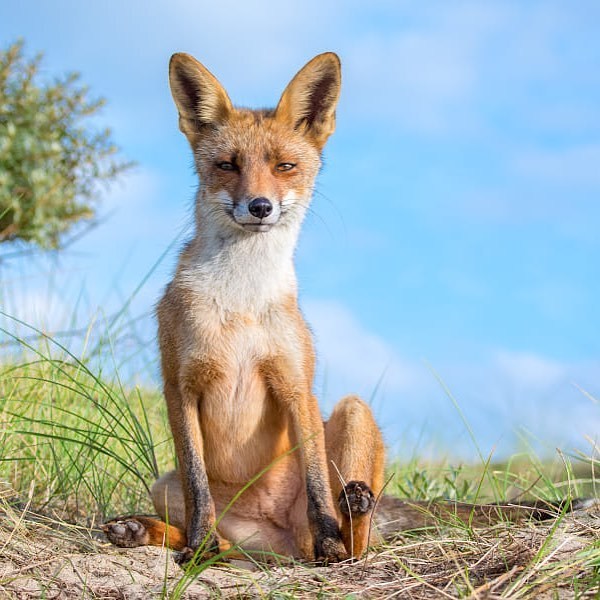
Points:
(260, 207)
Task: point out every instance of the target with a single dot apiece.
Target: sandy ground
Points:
(40, 560)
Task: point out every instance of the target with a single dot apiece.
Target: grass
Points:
(86, 444)
(79, 446)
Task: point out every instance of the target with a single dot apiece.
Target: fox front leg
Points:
(327, 536)
(292, 391)
(199, 506)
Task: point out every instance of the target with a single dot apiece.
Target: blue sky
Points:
(455, 226)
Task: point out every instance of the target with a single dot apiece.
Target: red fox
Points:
(237, 356)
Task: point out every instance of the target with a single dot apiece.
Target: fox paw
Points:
(356, 499)
(126, 533)
(330, 550)
(189, 556)
(184, 556)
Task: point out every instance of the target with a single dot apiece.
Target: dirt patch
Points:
(39, 559)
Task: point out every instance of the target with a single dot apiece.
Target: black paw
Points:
(184, 557)
(356, 499)
(126, 533)
(192, 557)
(330, 550)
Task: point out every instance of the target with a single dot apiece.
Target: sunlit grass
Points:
(85, 443)
(79, 446)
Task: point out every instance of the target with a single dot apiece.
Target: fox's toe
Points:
(126, 533)
(356, 499)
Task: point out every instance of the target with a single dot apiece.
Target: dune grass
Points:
(79, 446)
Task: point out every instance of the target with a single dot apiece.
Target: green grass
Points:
(80, 445)
(76, 440)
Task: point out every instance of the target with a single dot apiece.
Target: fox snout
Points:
(257, 214)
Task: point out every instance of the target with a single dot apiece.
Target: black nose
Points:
(260, 207)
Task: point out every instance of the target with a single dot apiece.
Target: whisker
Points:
(331, 203)
(308, 208)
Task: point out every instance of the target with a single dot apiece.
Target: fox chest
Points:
(243, 427)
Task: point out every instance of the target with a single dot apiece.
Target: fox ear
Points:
(200, 98)
(308, 102)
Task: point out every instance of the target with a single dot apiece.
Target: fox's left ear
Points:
(308, 102)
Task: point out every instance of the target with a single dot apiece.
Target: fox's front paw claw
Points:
(184, 556)
(356, 499)
(126, 533)
(192, 557)
(330, 550)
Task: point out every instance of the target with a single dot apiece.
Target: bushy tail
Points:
(394, 515)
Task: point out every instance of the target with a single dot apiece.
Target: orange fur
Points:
(237, 356)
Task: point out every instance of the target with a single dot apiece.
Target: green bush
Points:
(52, 158)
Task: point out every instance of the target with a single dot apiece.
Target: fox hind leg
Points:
(169, 530)
(133, 531)
(356, 458)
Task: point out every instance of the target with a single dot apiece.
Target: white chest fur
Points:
(243, 273)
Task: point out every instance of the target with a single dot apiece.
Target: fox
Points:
(258, 467)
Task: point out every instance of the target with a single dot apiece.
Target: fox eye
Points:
(226, 166)
(285, 166)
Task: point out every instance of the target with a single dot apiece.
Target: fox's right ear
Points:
(308, 102)
(200, 98)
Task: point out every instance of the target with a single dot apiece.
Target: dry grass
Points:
(47, 558)
(79, 446)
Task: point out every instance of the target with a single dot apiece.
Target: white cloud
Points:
(502, 392)
(417, 75)
(505, 392)
(352, 358)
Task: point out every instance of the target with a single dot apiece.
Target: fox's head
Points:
(257, 167)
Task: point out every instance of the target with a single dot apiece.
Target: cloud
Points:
(501, 392)
(420, 67)
(505, 392)
(352, 358)
(487, 70)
